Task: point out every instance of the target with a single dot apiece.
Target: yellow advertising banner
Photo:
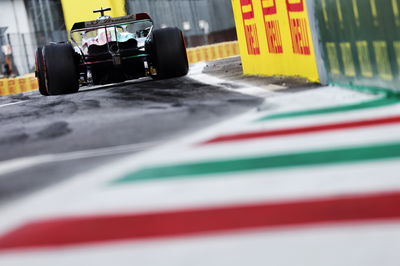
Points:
(82, 10)
(275, 38)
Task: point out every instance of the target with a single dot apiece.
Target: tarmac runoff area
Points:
(46, 140)
(307, 175)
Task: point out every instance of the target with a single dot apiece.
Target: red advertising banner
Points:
(250, 28)
(12, 86)
(272, 28)
(298, 27)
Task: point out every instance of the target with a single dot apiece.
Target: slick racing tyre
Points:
(39, 72)
(168, 53)
(61, 70)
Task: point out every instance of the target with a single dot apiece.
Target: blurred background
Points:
(28, 24)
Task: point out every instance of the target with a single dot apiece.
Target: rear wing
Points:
(95, 24)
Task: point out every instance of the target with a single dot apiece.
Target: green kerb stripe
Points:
(313, 158)
(342, 108)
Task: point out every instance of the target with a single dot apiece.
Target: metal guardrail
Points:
(213, 52)
(18, 85)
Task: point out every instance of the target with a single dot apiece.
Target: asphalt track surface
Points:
(102, 124)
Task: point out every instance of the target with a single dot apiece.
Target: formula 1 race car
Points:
(110, 50)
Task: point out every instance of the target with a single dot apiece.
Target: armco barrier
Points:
(18, 85)
(213, 52)
(275, 38)
(361, 41)
(13, 87)
(4, 87)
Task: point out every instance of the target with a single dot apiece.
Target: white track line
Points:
(196, 73)
(9, 104)
(18, 164)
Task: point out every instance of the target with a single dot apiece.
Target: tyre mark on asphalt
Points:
(54, 130)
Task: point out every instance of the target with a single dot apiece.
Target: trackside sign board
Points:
(275, 38)
(360, 41)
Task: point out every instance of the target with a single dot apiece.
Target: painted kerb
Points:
(361, 41)
(275, 38)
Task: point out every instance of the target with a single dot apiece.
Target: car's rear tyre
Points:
(39, 72)
(61, 69)
(168, 53)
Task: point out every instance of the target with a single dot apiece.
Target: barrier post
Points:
(3, 87)
(214, 52)
(222, 50)
(209, 53)
(205, 55)
(197, 52)
(23, 84)
(33, 83)
(12, 86)
(236, 48)
(191, 56)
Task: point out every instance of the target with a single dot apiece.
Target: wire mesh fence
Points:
(24, 45)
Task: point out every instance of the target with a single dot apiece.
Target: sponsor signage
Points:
(250, 27)
(275, 38)
(361, 41)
